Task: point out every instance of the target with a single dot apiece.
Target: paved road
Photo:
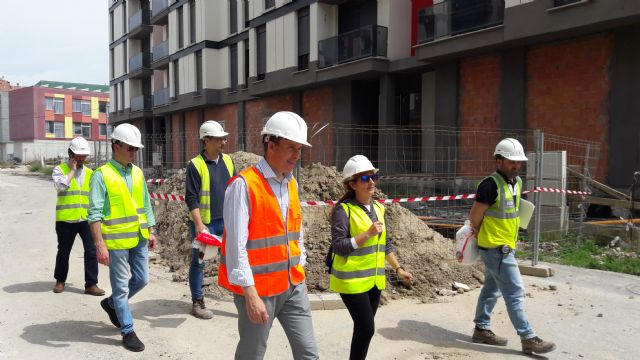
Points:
(592, 315)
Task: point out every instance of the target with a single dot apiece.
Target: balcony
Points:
(161, 97)
(367, 41)
(141, 103)
(455, 17)
(140, 66)
(139, 24)
(160, 55)
(160, 12)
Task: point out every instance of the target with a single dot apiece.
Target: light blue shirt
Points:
(236, 222)
(99, 207)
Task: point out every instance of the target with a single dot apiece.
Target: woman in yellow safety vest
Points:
(359, 245)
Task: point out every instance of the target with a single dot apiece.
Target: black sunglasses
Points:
(132, 148)
(365, 178)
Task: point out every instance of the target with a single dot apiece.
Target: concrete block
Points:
(538, 270)
(316, 302)
(332, 301)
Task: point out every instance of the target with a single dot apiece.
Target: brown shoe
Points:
(537, 345)
(200, 311)
(59, 287)
(486, 336)
(94, 290)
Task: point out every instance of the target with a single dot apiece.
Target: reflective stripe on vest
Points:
(273, 248)
(205, 191)
(501, 220)
(127, 219)
(363, 268)
(72, 204)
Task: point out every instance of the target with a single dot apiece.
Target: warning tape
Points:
(173, 197)
(156, 181)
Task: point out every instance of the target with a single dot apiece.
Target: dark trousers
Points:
(362, 307)
(66, 236)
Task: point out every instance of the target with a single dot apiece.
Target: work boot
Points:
(59, 287)
(200, 311)
(132, 343)
(111, 312)
(537, 345)
(486, 336)
(94, 290)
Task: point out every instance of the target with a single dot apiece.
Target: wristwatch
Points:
(398, 268)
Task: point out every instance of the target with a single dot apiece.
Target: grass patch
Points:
(35, 166)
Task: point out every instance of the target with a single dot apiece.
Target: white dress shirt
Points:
(236, 222)
(60, 180)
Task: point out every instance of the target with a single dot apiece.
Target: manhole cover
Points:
(634, 288)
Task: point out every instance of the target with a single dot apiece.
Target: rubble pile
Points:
(421, 250)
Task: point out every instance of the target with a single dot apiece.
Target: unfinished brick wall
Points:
(568, 87)
(479, 107)
(191, 133)
(259, 109)
(317, 111)
(229, 115)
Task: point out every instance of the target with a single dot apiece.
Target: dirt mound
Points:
(421, 250)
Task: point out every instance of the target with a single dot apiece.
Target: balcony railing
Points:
(160, 51)
(142, 17)
(140, 61)
(367, 41)
(140, 103)
(454, 17)
(161, 97)
(158, 6)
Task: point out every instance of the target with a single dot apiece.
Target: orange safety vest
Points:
(273, 250)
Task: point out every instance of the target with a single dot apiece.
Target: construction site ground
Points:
(589, 314)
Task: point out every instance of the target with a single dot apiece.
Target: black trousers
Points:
(362, 307)
(66, 236)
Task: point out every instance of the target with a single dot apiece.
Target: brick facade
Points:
(317, 111)
(257, 112)
(229, 115)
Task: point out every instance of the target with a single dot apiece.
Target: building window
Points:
(111, 23)
(103, 107)
(268, 4)
(86, 107)
(48, 127)
(199, 72)
(58, 129)
(86, 131)
(77, 105)
(233, 16)
(48, 103)
(246, 63)
(303, 38)
(111, 64)
(122, 105)
(192, 20)
(262, 51)
(176, 79)
(180, 28)
(233, 66)
(245, 9)
(102, 128)
(125, 59)
(124, 17)
(115, 97)
(77, 129)
(58, 106)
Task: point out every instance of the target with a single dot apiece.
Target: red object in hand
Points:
(209, 239)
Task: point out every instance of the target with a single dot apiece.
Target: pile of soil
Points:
(421, 250)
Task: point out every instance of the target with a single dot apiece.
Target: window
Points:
(199, 72)
(103, 107)
(58, 129)
(125, 59)
(192, 21)
(176, 80)
(111, 64)
(102, 128)
(268, 4)
(48, 103)
(58, 106)
(180, 28)
(233, 16)
(262, 51)
(111, 23)
(303, 38)
(86, 107)
(246, 63)
(245, 8)
(115, 97)
(122, 95)
(48, 127)
(77, 129)
(233, 66)
(124, 16)
(86, 131)
(77, 107)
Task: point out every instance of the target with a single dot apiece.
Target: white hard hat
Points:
(355, 165)
(288, 125)
(510, 149)
(79, 146)
(212, 128)
(128, 134)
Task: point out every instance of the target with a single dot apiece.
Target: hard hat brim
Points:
(517, 158)
(80, 152)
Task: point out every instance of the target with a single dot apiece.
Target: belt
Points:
(504, 249)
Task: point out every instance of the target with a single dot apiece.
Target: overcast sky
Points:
(55, 40)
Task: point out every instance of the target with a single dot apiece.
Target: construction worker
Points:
(72, 180)
(122, 224)
(359, 236)
(206, 181)
(263, 253)
(495, 220)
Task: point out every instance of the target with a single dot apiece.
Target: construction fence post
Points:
(539, 150)
(584, 206)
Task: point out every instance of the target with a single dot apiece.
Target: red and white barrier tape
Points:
(173, 197)
(156, 181)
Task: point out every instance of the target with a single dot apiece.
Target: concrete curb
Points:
(538, 270)
(326, 301)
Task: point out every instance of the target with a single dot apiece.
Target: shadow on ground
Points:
(61, 334)
(40, 286)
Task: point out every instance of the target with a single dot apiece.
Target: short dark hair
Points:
(499, 157)
(266, 140)
(71, 153)
(114, 142)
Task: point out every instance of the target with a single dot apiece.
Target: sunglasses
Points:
(132, 148)
(365, 178)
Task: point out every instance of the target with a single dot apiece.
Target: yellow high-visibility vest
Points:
(73, 203)
(501, 220)
(205, 191)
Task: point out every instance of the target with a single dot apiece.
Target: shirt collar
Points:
(120, 167)
(206, 159)
(510, 182)
(267, 171)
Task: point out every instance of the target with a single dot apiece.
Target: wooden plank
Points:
(610, 191)
(624, 204)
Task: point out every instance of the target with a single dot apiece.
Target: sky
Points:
(55, 40)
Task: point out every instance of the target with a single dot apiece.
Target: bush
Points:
(35, 166)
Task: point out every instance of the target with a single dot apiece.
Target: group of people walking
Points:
(258, 214)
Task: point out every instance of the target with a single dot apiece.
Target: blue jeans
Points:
(123, 286)
(502, 278)
(196, 269)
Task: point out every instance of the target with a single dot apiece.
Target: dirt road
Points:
(591, 315)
